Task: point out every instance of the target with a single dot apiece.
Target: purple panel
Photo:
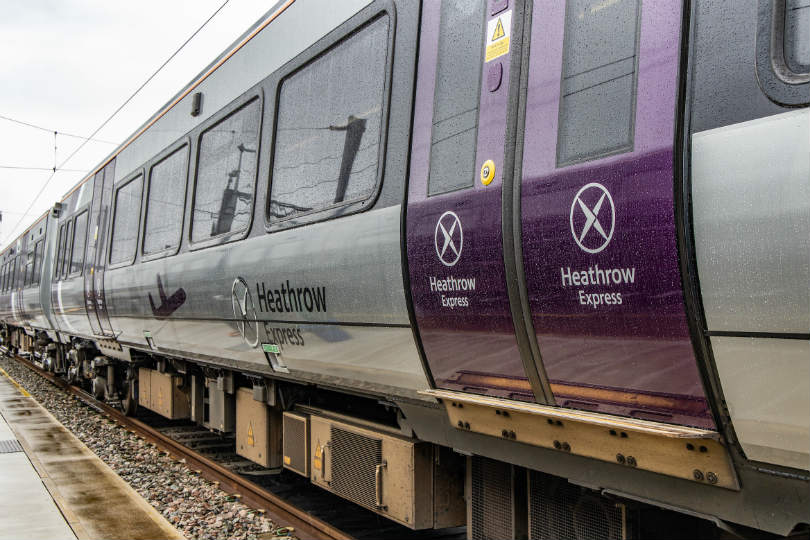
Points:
(470, 343)
(627, 351)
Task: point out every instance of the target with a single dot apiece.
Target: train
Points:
(534, 268)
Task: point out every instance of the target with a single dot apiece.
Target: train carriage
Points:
(551, 257)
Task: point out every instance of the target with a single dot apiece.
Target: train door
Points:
(95, 261)
(598, 213)
(469, 52)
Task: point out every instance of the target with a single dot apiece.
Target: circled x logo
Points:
(593, 217)
(244, 312)
(448, 244)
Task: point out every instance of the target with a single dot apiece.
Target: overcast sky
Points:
(68, 64)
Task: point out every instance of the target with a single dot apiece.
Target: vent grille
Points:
(492, 512)
(296, 443)
(10, 446)
(559, 510)
(354, 461)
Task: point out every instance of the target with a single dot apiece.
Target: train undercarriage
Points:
(363, 449)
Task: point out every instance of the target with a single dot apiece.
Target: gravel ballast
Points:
(195, 506)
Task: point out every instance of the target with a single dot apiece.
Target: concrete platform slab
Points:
(95, 501)
(28, 511)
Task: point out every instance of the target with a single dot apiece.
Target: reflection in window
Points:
(226, 171)
(455, 106)
(164, 210)
(797, 36)
(328, 132)
(598, 79)
(127, 217)
(79, 238)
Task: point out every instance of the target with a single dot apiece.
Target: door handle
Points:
(378, 478)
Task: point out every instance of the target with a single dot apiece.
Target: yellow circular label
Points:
(487, 172)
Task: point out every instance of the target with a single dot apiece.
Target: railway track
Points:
(305, 524)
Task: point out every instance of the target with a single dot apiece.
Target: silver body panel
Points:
(751, 199)
(767, 388)
(362, 340)
(67, 294)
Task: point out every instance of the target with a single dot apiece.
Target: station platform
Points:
(53, 487)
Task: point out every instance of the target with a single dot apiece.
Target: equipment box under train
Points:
(296, 443)
(400, 478)
(163, 393)
(258, 430)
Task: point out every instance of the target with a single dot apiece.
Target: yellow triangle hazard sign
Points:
(498, 33)
(250, 440)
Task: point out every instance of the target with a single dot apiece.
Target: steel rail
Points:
(280, 511)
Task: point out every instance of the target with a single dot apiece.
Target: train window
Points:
(797, 36)
(59, 250)
(165, 202)
(126, 220)
(65, 259)
(79, 240)
(329, 127)
(38, 251)
(783, 50)
(29, 267)
(226, 174)
(456, 96)
(598, 87)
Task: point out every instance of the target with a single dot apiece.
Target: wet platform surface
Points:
(57, 488)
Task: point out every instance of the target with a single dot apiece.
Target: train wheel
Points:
(129, 403)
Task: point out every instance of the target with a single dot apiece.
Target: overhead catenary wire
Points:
(54, 131)
(24, 168)
(115, 112)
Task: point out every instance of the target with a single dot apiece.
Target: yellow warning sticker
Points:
(498, 31)
(316, 462)
(250, 440)
(287, 460)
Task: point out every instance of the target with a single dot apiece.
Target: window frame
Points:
(58, 253)
(481, 75)
(63, 271)
(29, 265)
(131, 177)
(320, 48)
(74, 219)
(175, 147)
(234, 106)
(776, 79)
(628, 148)
(39, 255)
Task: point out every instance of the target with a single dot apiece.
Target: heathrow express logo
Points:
(449, 244)
(592, 218)
(244, 312)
